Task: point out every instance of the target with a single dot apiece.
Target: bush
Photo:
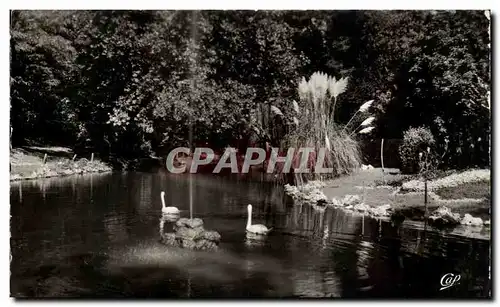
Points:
(415, 141)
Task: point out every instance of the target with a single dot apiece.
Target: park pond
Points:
(97, 236)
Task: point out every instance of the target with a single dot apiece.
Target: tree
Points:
(42, 63)
(436, 67)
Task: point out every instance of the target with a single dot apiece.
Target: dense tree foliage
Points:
(133, 83)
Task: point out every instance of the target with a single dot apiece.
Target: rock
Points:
(380, 210)
(299, 195)
(309, 192)
(210, 236)
(471, 221)
(361, 207)
(190, 223)
(314, 196)
(444, 217)
(188, 233)
(206, 245)
(366, 167)
(191, 234)
(51, 174)
(348, 207)
(351, 200)
(82, 162)
(335, 202)
(189, 244)
(169, 239)
(291, 190)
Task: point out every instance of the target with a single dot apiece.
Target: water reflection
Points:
(171, 218)
(98, 236)
(253, 239)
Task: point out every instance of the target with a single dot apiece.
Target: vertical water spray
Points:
(193, 63)
(91, 187)
(20, 193)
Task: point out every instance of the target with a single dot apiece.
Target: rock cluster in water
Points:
(189, 233)
(444, 217)
(354, 203)
(472, 221)
(308, 193)
(311, 194)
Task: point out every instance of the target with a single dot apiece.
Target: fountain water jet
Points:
(193, 62)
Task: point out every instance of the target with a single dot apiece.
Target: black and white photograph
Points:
(250, 154)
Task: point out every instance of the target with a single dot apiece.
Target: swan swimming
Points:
(255, 229)
(165, 209)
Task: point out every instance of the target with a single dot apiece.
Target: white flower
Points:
(331, 85)
(276, 111)
(365, 106)
(366, 130)
(338, 87)
(368, 121)
(303, 88)
(295, 106)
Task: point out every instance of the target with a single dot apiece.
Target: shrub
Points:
(415, 141)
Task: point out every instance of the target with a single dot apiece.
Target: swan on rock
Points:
(258, 229)
(168, 210)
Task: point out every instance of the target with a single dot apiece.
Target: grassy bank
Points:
(28, 163)
(462, 192)
(473, 198)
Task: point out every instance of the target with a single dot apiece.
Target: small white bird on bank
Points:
(258, 229)
(168, 210)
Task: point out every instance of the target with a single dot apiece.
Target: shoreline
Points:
(359, 194)
(16, 178)
(29, 165)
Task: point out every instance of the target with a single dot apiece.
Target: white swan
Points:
(165, 209)
(258, 229)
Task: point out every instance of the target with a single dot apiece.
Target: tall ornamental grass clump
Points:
(313, 125)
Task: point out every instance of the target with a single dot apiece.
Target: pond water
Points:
(98, 236)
